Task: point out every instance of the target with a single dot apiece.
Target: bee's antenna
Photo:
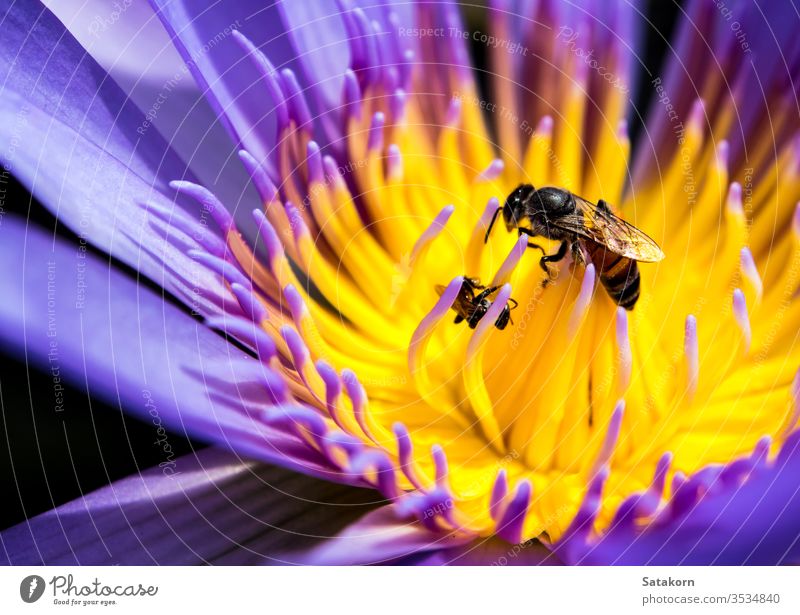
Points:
(513, 307)
(491, 224)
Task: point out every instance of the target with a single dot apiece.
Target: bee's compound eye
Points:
(523, 191)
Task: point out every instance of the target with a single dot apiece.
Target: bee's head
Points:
(514, 207)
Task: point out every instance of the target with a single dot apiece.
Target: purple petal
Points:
(379, 537)
(83, 321)
(129, 41)
(42, 63)
(207, 507)
(70, 135)
(118, 36)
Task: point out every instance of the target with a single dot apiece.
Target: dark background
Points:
(46, 459)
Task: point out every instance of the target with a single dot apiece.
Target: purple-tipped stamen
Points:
(742, 318)
(691, 351)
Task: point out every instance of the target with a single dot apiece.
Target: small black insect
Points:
(473, 308)
(592, 230)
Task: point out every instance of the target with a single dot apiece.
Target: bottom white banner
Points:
(353, 591)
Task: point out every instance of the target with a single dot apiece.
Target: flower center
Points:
(498, 431)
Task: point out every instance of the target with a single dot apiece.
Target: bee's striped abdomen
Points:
(619, 275)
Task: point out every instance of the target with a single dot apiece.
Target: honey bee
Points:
(591, 230)
(472, 308)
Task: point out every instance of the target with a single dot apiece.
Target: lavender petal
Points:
(208, 507)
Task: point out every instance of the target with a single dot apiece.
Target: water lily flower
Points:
(300, 333)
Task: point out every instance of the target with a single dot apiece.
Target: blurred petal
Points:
(207, 507)
(125, 38)
(554, 58)
(741, 58)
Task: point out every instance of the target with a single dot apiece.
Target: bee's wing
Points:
(601, 226)
(440, 289)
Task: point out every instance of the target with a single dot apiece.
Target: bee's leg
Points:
(529, 233)
(554, 258)
(577, 254)
(485, 293)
